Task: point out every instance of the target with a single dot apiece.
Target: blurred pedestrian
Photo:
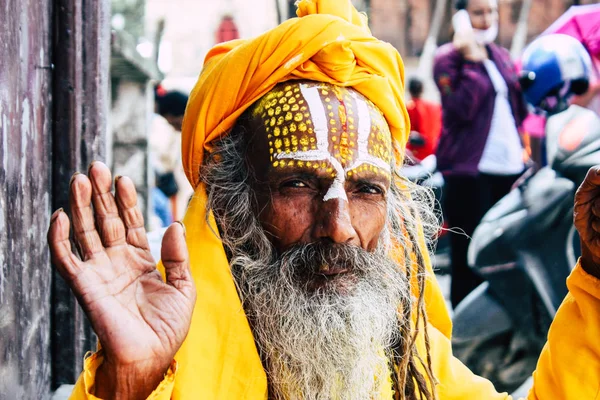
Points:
(425, 122)
(165, 144)
(480, 150)
(171, 106)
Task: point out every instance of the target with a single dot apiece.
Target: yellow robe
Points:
(219, 360)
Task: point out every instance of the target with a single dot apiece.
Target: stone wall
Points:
(25, 178)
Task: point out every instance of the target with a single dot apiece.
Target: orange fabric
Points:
(425, 118)
(330, 42)
(569, 367)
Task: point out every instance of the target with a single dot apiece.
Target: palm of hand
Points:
(123, 289)
(140, 319)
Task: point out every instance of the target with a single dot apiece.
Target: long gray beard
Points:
(328, 342)
(324, 343)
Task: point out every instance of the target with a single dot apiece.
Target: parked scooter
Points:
(526, 245)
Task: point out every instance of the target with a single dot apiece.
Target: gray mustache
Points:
(306, 260)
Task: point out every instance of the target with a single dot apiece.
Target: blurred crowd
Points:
(485, 136)
(171, 191)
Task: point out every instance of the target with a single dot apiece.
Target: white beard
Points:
(330, 343)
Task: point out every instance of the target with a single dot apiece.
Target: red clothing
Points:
(425, 118)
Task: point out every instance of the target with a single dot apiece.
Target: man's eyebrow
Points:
(297, 171)
(369, 177)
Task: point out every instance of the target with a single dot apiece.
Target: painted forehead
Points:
(317, 124)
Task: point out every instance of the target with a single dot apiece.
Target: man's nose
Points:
(489, 19)
(333, 222)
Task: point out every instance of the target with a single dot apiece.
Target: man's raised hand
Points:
(141, 320)
(587, 221)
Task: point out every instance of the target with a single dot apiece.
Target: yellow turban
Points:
(329, 42)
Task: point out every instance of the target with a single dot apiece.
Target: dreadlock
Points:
(413, 211)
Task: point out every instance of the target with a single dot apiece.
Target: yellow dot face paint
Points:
(322, 126)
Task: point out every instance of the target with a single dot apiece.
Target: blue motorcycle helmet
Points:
(554, 68)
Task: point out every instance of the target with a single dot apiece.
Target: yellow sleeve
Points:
(569, 366)
(86, 381)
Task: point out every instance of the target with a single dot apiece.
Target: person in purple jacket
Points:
(480, 151)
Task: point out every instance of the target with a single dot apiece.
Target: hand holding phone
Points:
(464, 37)
(461, 22)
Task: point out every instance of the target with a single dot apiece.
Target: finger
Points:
(131, 215)
(60, 246)
(108, 221)
(592, 179)
(175, 258)
(84, 228)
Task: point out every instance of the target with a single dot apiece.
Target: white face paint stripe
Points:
(337, 190)
(364, 131)
(317, 113)
(364, 125)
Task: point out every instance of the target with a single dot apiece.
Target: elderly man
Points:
(306, 250)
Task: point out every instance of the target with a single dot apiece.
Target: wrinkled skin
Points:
(291, 199)
(142, 321)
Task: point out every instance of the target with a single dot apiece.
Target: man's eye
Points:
(370, 189)
(294, 184)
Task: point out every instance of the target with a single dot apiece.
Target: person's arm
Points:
(461, 85)
(140, 318)
(569, 366)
